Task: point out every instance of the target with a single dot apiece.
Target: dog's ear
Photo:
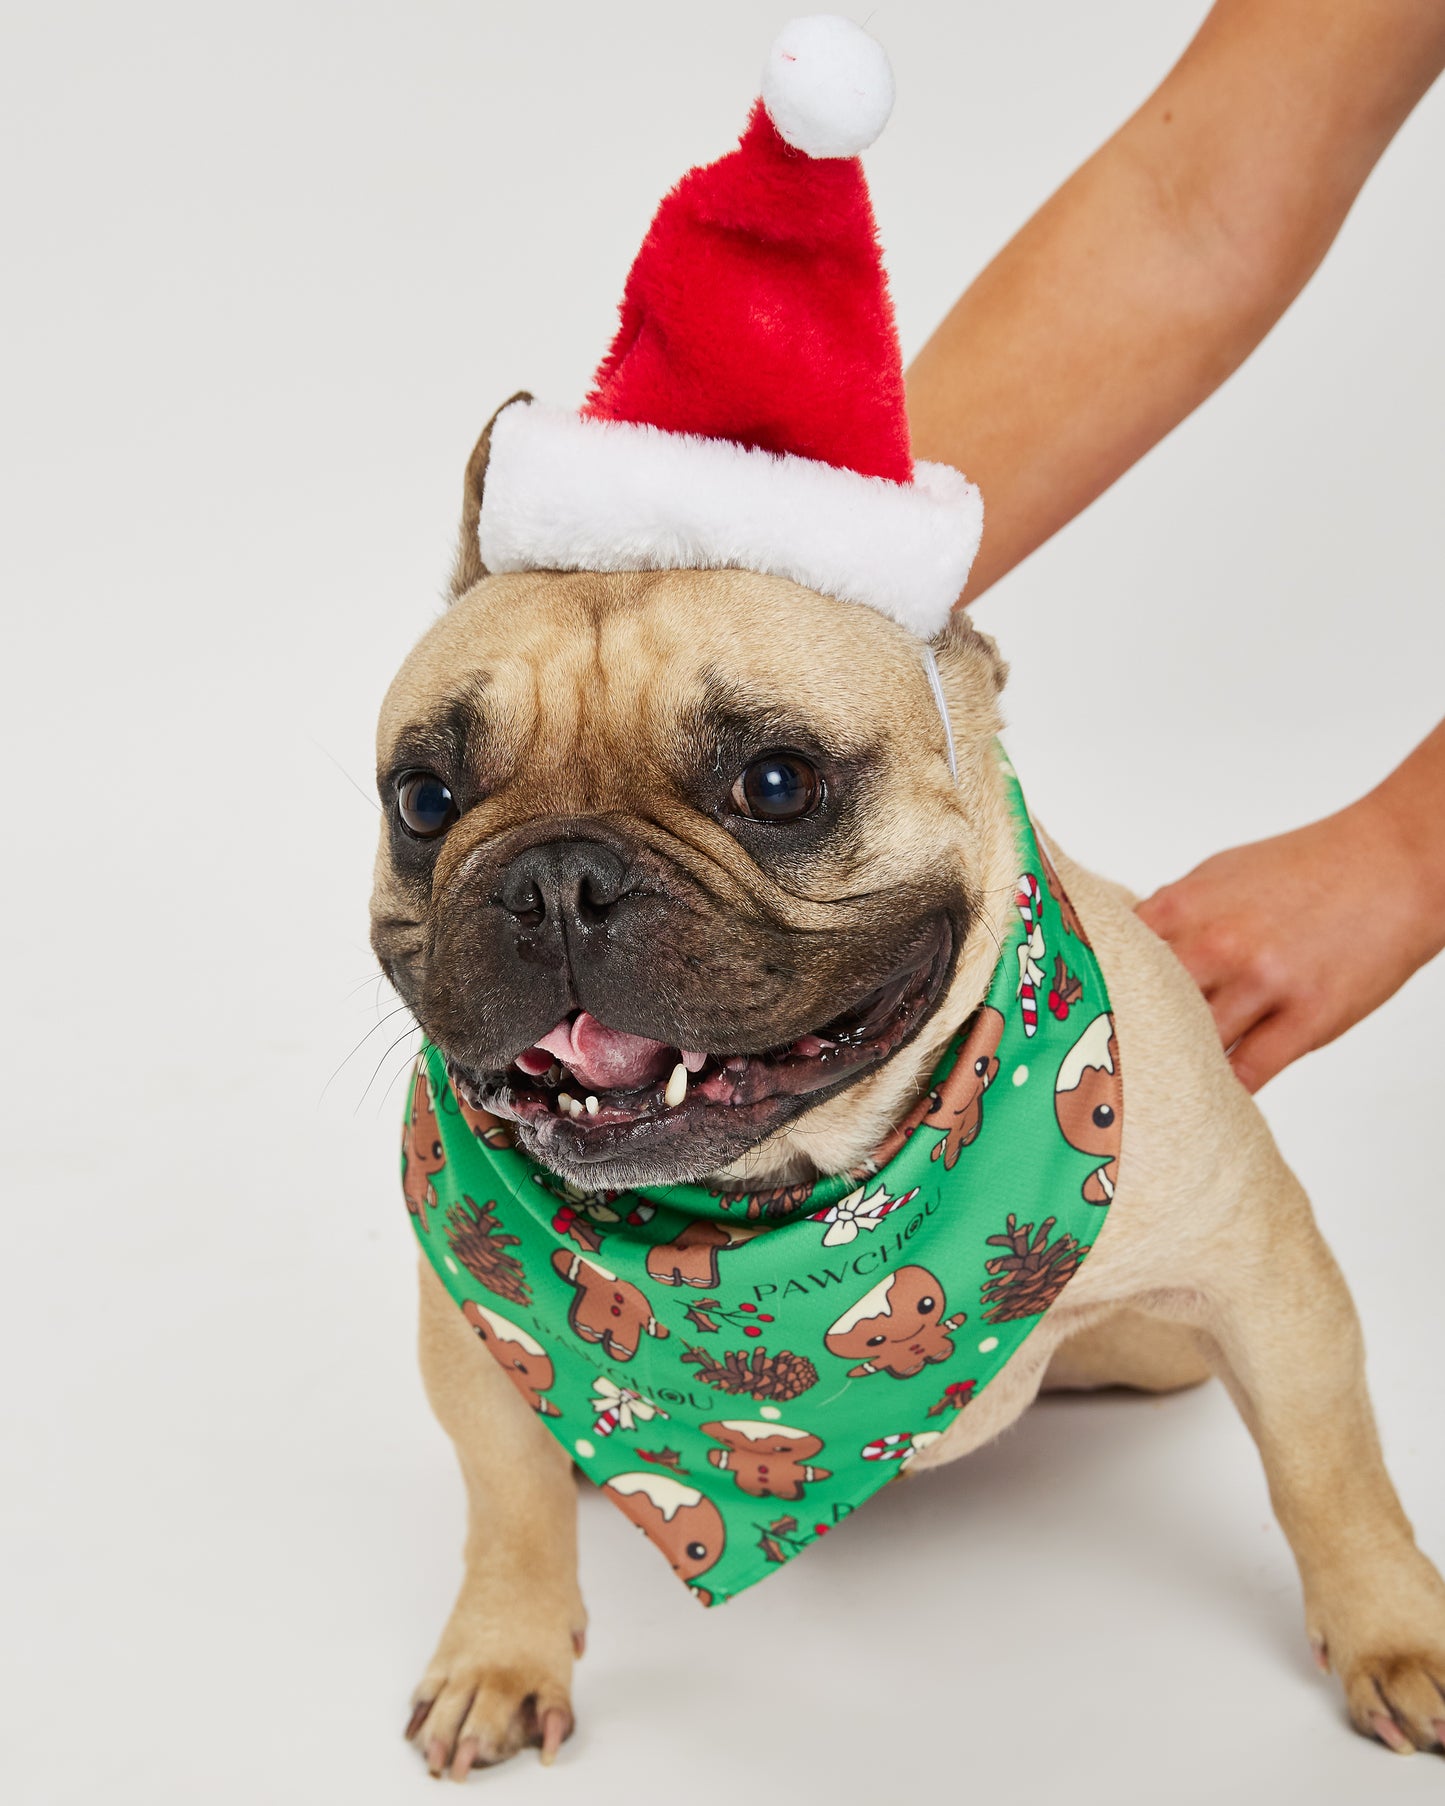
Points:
(961, 642)
(972, 673)
(467, 567)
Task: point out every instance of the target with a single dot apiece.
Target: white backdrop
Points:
(267, 270)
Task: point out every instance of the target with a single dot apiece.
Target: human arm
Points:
(1161, 263)
(1295, 939)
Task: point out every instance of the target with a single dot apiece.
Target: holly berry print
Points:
(738, 1371)
(709, 1315)
(783, 1538)
(1065, 991)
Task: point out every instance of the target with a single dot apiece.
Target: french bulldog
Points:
(637, 822)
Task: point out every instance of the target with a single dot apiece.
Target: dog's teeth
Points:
(676, 1087)
(592, 1106)
(574, 1109)
(564, 1102)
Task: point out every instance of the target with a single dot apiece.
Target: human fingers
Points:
(1268, 1048)
(1238, 1005)
(1210, 957)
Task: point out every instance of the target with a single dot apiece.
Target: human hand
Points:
(1295, 939)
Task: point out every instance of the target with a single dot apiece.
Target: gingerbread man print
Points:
(423, 1155)
(521, 1358)
(957, 1105)
(490, 1130)
(690, 1258)
(686, 1527)
(768, 1460)
(897, 1328)
(1089, 1103)
(605, 1309)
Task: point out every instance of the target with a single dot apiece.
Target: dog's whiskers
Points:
(359, 789)
(415, 1029)
(379, 1023)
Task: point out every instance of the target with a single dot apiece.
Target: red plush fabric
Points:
(758, 311)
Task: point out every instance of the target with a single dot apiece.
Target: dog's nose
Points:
(564, 880)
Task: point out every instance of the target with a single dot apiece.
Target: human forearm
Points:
(1295, 939)
(1162, 263)
(1410, 804)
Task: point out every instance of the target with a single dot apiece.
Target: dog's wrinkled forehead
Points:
(604, 683)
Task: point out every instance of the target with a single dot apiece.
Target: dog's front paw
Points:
(1399, 1697)
(479, 1703)
(1386, 1641)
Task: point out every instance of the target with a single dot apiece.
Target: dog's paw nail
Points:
(1389, 1733)
(465, 1759)
(1438, 1727)
(555, 1726)
(1322, 1654)
(417, 1719)
(579, 1643)
(436, 1756)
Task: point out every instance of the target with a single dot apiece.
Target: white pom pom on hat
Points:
(827, 86)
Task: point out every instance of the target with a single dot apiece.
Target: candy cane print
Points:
(1031, 950)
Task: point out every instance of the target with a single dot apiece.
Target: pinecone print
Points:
(1028, 1279)
(754, 1372)
(780, 1202)
(480, 1244)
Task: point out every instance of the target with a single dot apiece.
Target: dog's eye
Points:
(1103, 1115)
(779, 786)
(696, 1551)
(875, 1341)
(425, 805)
(925, 1305)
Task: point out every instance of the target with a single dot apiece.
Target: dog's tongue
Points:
(605, 1059)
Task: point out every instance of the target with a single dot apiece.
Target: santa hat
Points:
(750, 412)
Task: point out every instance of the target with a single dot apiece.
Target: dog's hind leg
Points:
(1146, 1354)
(1285, 1340)
(501, 1676)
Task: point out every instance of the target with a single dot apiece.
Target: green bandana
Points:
(739, 1371)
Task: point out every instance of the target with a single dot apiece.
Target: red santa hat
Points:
(750, 412)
